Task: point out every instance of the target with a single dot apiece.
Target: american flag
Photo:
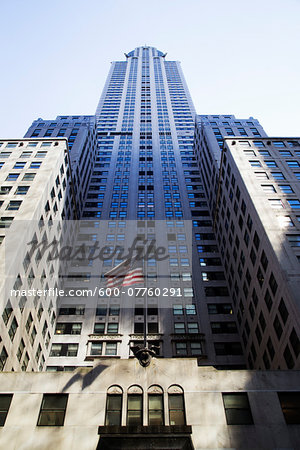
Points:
(126, 273)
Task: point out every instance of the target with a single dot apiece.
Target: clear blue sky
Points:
(238, 57)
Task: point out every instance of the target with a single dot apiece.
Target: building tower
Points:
(213, 211)
(146, 175)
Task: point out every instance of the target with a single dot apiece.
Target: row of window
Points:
(236, 407)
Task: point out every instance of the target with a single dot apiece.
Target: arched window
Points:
(155, 406)
(135, 406)
(176, 405)
(114, 406)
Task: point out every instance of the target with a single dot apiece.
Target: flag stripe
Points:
(126, 273)
(134, 277)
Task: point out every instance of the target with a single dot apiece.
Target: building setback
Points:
(254, 200)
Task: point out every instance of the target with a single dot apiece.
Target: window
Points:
(155, 409)
(190, 309)
(114, 407)
(273, 283)
(68, 328)
(295, 342)
(264, 260)
(40, 154)
(293, 164)
(96, 348)
(114, 310)
(13, 205)
(295, 204)
(193, 327)
(35, 165)
(255, 163)
(13, 329)
(196, 348)
(77, 310)
(5, 154)
(12, 177)
(135, 408)
(294, 240)
(101, 310)
(99, 328)
(261, 175)
(256, 240)
(270, 164)
(4, 190)
(219, 308)
(181, 348)
(21, 190)
(179, 327)
(223, 327)
(283, 311)
(290, 405)
(3, 358)
(268, 188)
(277, 327)
(278, 175)
(278, 144)
(112, 328)
(7, 312)
(285, 153)
(237, 409)
(28, 176)
(286, 188)
(64, 350)
(276, 203)
(19, 165)
(176, 409)
(111, 349)
(53, 410)
(5, 401)
(177, 310)
(228, 348)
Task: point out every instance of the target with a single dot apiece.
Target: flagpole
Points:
(145, 324)
(146, 305)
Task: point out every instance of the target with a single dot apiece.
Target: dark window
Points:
(268, 300)
(101, 310)
(288, 358)
(273, 283)
(99, 328)
(113, 409)
(5, 401)
(277, 327)
(262, 321)
(295, 342)
(290, 405)
(176, 409)
(260, 276)
(264, 260)
(68, 328)
(135, 409)
(155, 409)
(271, 348)
(256, 240)
(219, 308)
(53, 410)
(228, 348)
(237, 409)
(283, 311)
